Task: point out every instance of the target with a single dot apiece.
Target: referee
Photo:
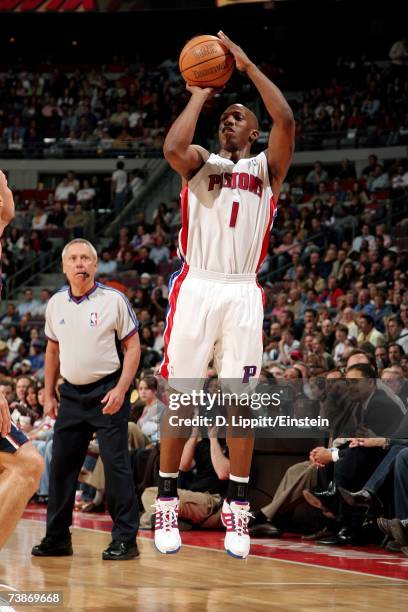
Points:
(88, 325)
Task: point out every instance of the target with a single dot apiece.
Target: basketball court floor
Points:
(286, 574)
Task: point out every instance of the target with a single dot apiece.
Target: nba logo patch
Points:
(94, 319)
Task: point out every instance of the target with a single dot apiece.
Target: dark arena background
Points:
(88, 92)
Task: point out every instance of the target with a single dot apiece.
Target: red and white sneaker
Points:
(166, 534)
(235, 516)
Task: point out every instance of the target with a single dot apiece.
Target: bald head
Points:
(251, 117)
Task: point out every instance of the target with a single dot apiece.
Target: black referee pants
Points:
(80, 415)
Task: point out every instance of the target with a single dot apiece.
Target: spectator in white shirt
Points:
(86, 195)
(72, 180)
(340, 346)
(400, 180)
(287, 344)
(368, 332)
(63, 190)
(39, 220)
(365, 235)
(13, 344)
(119, 186)
(135, 117)
(347, 319)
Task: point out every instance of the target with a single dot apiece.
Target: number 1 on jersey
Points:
(234, 214)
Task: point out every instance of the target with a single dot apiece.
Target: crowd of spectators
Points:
(76, 208)
(126, 108)
(331, 253)
(366, 98)
(113, 107)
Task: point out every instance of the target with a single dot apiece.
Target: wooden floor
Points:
(193, 580)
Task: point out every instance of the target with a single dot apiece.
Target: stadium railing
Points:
(65, 148)
(275, 272)
(53, 148)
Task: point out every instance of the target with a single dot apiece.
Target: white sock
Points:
(168, 474)
(239, 478)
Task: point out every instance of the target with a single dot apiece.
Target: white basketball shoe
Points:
(166, 534)
(235, 516)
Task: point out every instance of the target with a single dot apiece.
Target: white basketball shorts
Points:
(213, 316)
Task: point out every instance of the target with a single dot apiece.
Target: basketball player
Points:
(215, 304)
(20, 464)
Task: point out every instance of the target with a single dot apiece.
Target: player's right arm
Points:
(7, 211)
(184, 157)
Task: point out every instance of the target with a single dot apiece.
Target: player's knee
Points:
(29, 465)
(34, 472)
(36, 466)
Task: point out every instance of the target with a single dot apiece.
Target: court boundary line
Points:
(7, 586)
(401, 581)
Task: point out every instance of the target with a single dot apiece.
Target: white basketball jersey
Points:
(227, 210)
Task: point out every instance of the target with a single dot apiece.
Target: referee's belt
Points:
(97, 383)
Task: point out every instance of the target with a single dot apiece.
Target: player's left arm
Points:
(7, 211)
(282, 137)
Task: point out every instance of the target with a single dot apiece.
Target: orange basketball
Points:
(206, 62)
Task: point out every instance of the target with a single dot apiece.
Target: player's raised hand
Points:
(242, 61)
(205, 92)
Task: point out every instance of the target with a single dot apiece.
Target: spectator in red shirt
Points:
(333, 292)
